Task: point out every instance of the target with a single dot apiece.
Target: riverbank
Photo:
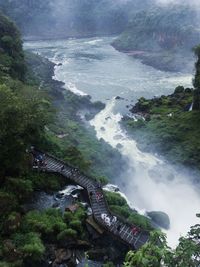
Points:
(168, 126)
(74, 140)
(64, 36)
(170, 61)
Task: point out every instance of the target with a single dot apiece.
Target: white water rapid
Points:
(150, 184)
(92, 66)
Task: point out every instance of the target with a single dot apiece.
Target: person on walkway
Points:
(135, 230)
(119, 228)
(62, 168)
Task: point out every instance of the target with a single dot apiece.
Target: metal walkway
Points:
(120, 229)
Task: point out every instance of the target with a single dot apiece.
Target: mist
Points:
(179, 2)
(150, 183)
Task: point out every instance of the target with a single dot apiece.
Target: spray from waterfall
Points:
(150, 183)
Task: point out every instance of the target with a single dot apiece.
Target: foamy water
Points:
(177, 197)
(91, 66)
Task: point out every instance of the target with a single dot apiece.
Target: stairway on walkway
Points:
(120, 229)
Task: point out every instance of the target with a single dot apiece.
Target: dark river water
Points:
(91, 66)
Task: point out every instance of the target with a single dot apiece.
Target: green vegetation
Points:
(166, 124)
(27, 239)
(26, 118)
(119, 206)
(160, 28)
(169, 127)
(48, 119)
(11, 54)
(162, 35)
(196, 81)
(69, 137)
(184, 255)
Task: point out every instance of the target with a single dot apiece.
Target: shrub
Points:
(179, 89)
(76, 225)
(47, 222)
(7, 202)
(68, 216)
(20, 187)
(62, 236)
(115, 199)
(30, 245)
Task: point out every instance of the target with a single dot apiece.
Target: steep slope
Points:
(160, 36)
(11, 54)
(79, 18)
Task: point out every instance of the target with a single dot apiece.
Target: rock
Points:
(62, 256)
(188, 90)
(160, 218)
(81, 244)
(118, 137)
(108, 118)
(119, 146)
(56, 205)
(59, 64)
(103, 129)
(179, 89)
(147, 117)
(97, 254)
(59, 195)
(119, 98)
(10, 251)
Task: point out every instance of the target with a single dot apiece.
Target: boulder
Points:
(119, 146)
(62, 256)
(10, 251)
(160, 218)
(98, 254)
(119, 98)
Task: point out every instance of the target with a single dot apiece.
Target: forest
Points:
(36, 110)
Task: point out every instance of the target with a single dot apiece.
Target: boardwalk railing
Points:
(127, 233)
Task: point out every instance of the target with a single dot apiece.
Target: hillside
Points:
(80, 18)
(11, 54)
(160, 36)
(36, 110)
(170, 124)
(29, 101)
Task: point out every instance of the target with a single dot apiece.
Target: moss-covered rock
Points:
(160, 218)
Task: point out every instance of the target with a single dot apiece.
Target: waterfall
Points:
(191, 107)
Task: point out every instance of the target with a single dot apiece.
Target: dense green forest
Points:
(171, 124)
(31, 116)
(161, 28)
(28, 116)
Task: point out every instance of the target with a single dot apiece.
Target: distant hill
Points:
(170, 30)
(48, 18)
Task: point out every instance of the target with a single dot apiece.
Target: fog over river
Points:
(92, 66)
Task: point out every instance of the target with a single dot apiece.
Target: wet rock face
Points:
(63, 256)
(160, 218)
(10, 251)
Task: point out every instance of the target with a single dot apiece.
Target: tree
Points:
(196, 80)
(151, 254)
(158, 254)
(75, 157)
(23, 116)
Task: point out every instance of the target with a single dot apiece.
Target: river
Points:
(91, 66)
